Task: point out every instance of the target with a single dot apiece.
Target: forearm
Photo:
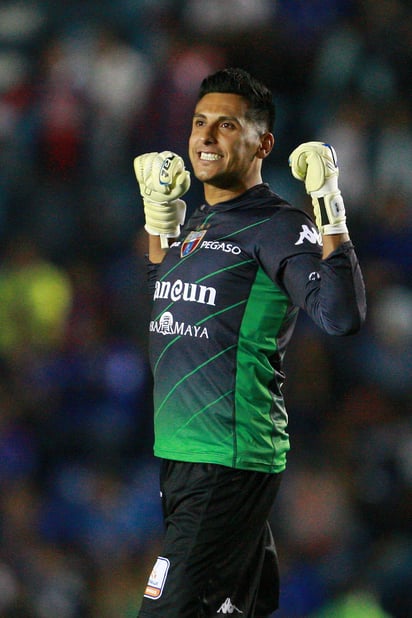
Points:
(332, 242)
(153, 262)
(341, 301)
(330, 290)
(156, 252)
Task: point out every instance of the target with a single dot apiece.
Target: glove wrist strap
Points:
(334, 228)
(169, 234)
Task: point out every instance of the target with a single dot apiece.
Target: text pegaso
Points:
(216, 245)
(188, 292)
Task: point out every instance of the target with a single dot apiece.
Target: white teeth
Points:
(209, 156)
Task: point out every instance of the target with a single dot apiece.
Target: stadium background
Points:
(84, 87)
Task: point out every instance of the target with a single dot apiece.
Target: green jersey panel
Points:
(261, 418)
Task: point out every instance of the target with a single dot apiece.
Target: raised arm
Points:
(334, 295)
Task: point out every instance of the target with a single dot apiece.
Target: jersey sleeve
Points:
(331, 291)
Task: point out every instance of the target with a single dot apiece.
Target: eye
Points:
(228, 125)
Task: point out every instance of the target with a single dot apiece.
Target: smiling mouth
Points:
(209, 156)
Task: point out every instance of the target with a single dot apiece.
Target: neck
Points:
(216, 195)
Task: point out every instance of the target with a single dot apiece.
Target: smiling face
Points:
(226, 148)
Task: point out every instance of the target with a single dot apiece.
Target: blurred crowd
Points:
(85, 87)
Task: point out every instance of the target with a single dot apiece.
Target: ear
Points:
(267, 141)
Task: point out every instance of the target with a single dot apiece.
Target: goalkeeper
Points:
(227, 287)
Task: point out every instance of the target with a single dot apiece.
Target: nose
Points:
(208, 134)
(209, 138)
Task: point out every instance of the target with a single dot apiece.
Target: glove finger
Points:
(180, 211)
(166, 167)
(183, 182)
(315, 173)
(297, 162)
(160, 210)
(165, 217)
(142, 166)
(171, 171)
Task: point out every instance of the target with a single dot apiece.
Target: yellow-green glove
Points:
(315, 164)
(162, 179)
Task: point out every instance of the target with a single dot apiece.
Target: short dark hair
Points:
(239, 81)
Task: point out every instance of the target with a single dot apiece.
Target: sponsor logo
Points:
(191, 242)
(188, 292)
(167, 325)
(314, 276)
(164, 174)
(216, 245)
(310, 234)
(227, 607)
(157, 579)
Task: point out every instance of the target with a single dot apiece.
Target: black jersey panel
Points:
(225, 304)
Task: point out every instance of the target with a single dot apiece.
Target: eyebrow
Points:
(219, 119)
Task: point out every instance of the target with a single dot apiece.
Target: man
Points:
(226, 296)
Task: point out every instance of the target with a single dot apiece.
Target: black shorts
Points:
(218, 554)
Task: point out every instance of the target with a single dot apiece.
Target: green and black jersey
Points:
(225, 303)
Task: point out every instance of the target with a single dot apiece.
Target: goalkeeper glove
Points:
(162, 180)
(315, 163)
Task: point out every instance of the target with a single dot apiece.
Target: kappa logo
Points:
(227, 607)
(310, 234)
(314, 276)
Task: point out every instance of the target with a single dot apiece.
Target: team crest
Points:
(191, 242)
